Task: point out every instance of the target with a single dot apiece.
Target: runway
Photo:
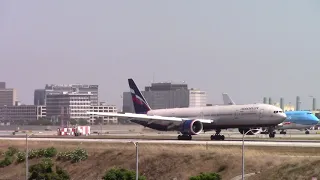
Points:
(226, 142)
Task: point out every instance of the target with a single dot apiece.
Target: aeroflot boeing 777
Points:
(193, 120)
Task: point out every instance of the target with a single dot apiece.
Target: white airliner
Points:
(193, 120)
(295, 119)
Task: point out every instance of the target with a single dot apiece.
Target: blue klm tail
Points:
(140, 104)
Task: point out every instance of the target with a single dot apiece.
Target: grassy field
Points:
(165, 162)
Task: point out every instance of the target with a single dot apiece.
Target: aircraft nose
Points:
(283, 116)
(314, 118)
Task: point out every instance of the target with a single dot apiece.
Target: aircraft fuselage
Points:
(223, 116)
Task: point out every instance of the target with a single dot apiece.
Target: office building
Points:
(2, 85)
(167, 95)
(68, 105)
(22, 113)
(40, 95)
(8, 97)
(103, 107)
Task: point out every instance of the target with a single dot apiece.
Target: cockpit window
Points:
(277, 111)
(309, 113)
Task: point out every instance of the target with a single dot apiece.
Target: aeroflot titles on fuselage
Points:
(249, 108)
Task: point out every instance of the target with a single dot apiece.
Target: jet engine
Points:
(252, 131)
(191, 127)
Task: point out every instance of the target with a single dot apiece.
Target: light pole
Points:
(137, 160)
(27, 165)
(243, 134)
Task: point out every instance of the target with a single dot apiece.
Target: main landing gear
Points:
(217, 136)
(307, 131)
(185, 137)
(283, 132)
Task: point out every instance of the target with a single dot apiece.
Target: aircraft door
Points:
(261, 113)
(236, 114)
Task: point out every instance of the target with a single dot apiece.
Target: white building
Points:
(197, 98)
(103, 107)
(68, 105)
(40, 95)
(41, 111)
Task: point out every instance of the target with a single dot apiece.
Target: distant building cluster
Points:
(72, 102)
(66, 102)
(55, 102)
(168, 95)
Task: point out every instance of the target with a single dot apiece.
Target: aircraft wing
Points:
(145, 117)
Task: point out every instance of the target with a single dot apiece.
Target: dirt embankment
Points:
(165, 162)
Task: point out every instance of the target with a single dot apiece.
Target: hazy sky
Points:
(249, 49)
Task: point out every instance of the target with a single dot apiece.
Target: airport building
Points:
(286, 107)
(103, 107)
(8, 97)
(167, 95)
(22, 113)
(40, 95)
(68, 105)
(2, 85)
(197, 98)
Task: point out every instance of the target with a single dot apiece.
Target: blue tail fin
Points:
(140, 104)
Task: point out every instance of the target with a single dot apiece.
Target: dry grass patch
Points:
(296, 169)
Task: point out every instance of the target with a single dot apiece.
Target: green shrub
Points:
(40, 152)
(8, 156)
(74, 156)
(64, 156)
(50, 152)
(79, 155)
(206, 176)
(47, 162)
(11, 151)
(6, 161)
(120, 173)
(33, 153)
(21, 156)
(44, 170)
(62, 173)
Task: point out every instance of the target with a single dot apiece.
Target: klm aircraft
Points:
(298, 120)
(301, 120)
